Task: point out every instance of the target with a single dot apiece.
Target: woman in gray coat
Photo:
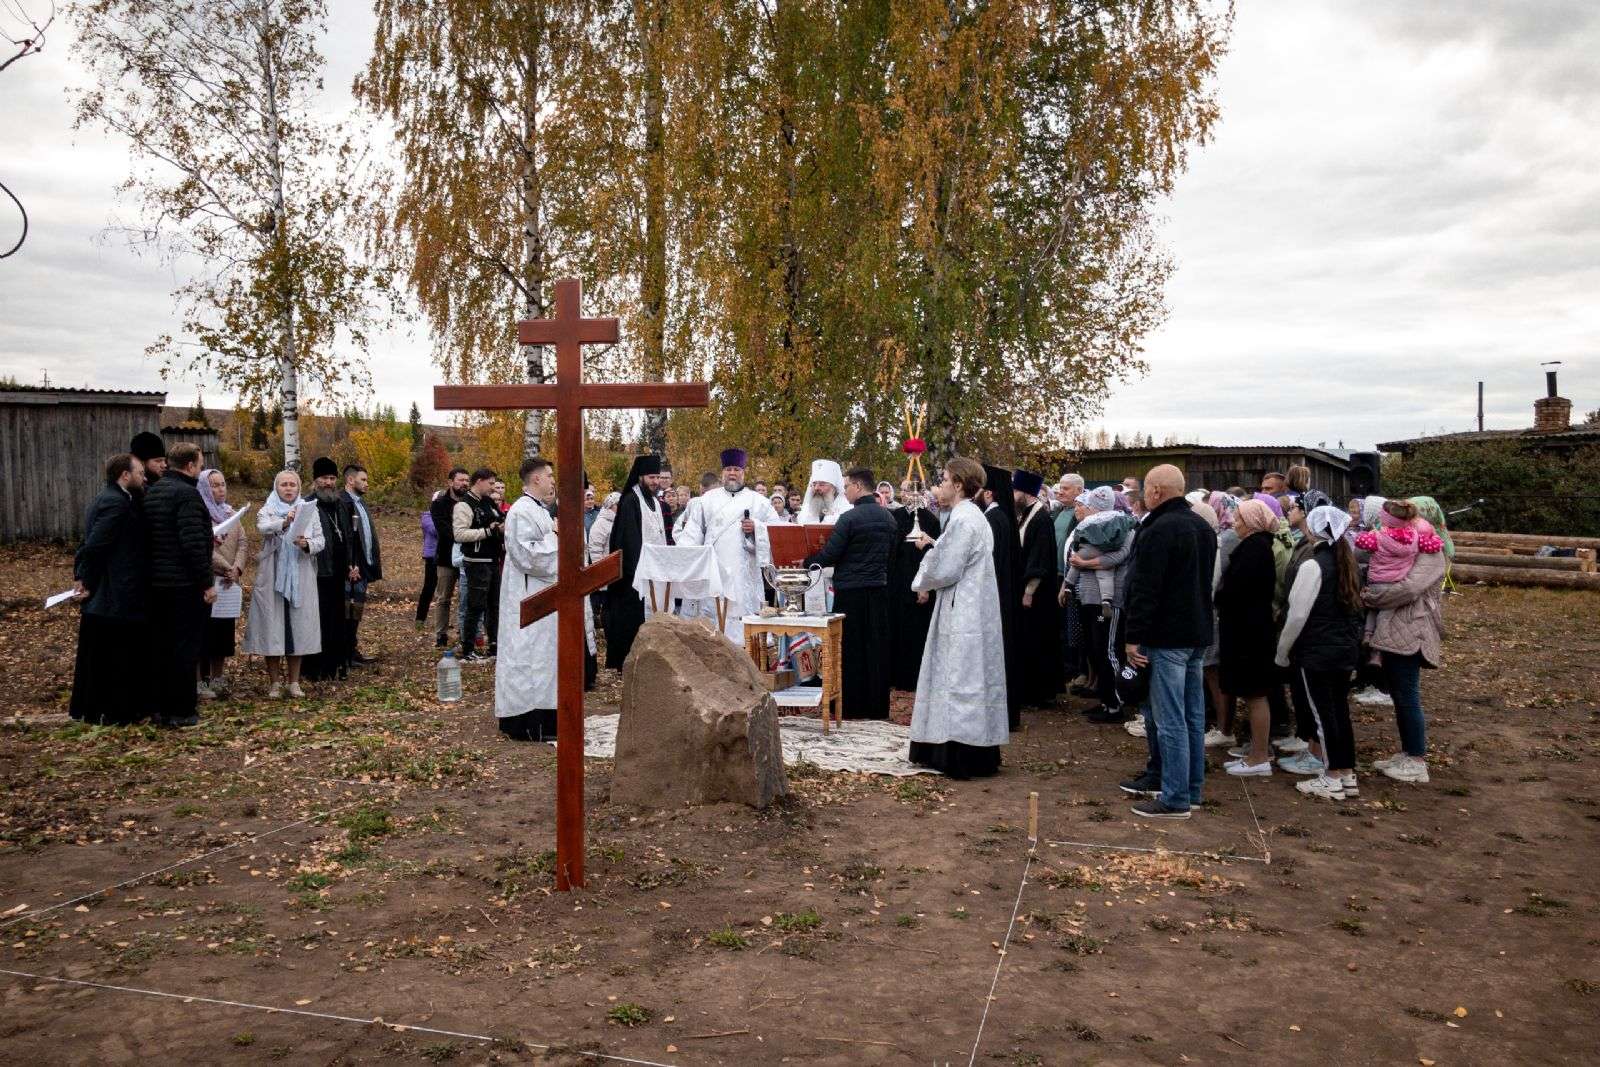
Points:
(284, 622)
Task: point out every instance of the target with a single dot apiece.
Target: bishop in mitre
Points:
(525, 669)
(823, 504)
(733, 518)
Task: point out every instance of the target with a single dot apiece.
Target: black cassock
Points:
(1039, 625)
(1002, 518)
(908, 620)
(624, 606)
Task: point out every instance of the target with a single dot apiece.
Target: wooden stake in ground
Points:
(568, 397)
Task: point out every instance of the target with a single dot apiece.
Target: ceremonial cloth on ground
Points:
(871, 746)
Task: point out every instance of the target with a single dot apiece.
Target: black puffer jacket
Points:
(110, 562)
(859, 546)
(180, 533)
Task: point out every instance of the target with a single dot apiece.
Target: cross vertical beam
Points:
(568, 397)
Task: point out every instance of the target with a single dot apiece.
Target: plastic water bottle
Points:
(449, 678)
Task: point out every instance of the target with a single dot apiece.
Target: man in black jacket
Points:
(858, 551)
(109, 577)
(444, 566)
(367, 565)
(335, 567)
(181, 590)
(1167, 612)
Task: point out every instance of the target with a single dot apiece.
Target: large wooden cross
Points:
(568, 396)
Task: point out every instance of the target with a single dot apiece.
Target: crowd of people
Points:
(1237, 619)
(164, 553)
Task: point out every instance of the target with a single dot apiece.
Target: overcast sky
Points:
(1401, 199)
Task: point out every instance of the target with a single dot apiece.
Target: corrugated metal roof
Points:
(36, 394)
(1574, 433)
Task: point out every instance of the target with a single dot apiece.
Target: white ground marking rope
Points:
(398, 1027)
(1001, 962)
(181, 863)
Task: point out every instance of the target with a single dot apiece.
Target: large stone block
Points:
(697, 725)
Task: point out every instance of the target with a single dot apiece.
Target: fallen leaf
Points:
(1460, 1013)
(16, 910)
(672, 1048)
(1295, 1028)
(302, 1002)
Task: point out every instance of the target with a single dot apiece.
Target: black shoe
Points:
(1141, 787)
(470, 657)
(1154, 809)
(358, 660)
(1104, 715)
(178, 724)
(441, 642)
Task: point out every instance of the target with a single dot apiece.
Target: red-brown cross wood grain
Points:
(568, 396)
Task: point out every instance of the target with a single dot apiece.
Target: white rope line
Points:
(1001, 962)
(398, 1027)
(181, 863)
(1218, 856)
(1260, 836)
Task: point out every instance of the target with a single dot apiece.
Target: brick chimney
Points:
(1551, 413)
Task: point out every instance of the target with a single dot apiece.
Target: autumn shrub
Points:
(384, 452)
(429, 465)
(1524, 489)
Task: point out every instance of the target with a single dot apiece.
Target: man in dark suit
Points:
(110, 579)
(181, 589)
(858, 550)
(366, 564)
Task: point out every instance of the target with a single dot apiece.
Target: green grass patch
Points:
(797, 922)
(728, 938)
(629, 1015)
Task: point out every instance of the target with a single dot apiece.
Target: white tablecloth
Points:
(692, 570)
(792, 620)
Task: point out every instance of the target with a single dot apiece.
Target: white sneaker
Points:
(1372, 695)
(219, 686)
(1135, 726)
(1239, 751)
(1215, 738)
(1387, 761)
(1304, 763)
(1240, 769)
(1322, 786)
(202, 691)
(1409, 769)
(1347, 781)
(1290, 745)
(275, 691)
(295, 691)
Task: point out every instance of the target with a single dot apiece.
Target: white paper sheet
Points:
(229, 523)
(305, 513)
(59, 598)
(798, 696)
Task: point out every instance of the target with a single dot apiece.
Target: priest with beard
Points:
(733, 518)
(858, 551)
(999, 508)
(640, 521)
(1038, 618)
(334, 569)
(822, 505)
(909, 615)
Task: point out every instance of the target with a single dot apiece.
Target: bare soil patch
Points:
(859, 923)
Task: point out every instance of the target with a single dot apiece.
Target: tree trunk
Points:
(533, 264)
(288, 383)
(652, 16)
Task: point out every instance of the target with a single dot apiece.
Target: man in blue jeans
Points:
(1168, 617)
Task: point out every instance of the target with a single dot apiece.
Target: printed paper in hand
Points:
(305, 512)
(59, 598)
(229, 523)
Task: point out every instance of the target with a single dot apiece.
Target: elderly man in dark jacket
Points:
(1167, 612)
(109, 577)
(181, 589)
(858, 551)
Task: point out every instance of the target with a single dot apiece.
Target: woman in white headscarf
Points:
(1321, 643)
(285, 622)
(228, 558)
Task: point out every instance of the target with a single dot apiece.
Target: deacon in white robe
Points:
(824, 502)
(958, 722)
(525, 667)
(733, 520)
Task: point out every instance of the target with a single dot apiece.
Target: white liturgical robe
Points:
(525, 666)
(716, 522)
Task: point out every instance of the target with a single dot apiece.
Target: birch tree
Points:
(235, 172)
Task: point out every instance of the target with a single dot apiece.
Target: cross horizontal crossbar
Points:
(553, 331)
(548, 600)
(589, 395)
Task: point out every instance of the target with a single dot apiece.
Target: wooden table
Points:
(829, 629)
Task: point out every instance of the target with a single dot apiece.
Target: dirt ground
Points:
(371, 854)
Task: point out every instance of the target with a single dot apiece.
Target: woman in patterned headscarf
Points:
(1247, 637)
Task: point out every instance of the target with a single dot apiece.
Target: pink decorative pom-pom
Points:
(1403, 534)
(1367, 541)
(1430, 542)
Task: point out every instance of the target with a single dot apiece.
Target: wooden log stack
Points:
(1509, 559)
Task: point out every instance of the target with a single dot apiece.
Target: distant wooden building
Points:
(1552, 430)
(53, 447)
(1220, 467)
